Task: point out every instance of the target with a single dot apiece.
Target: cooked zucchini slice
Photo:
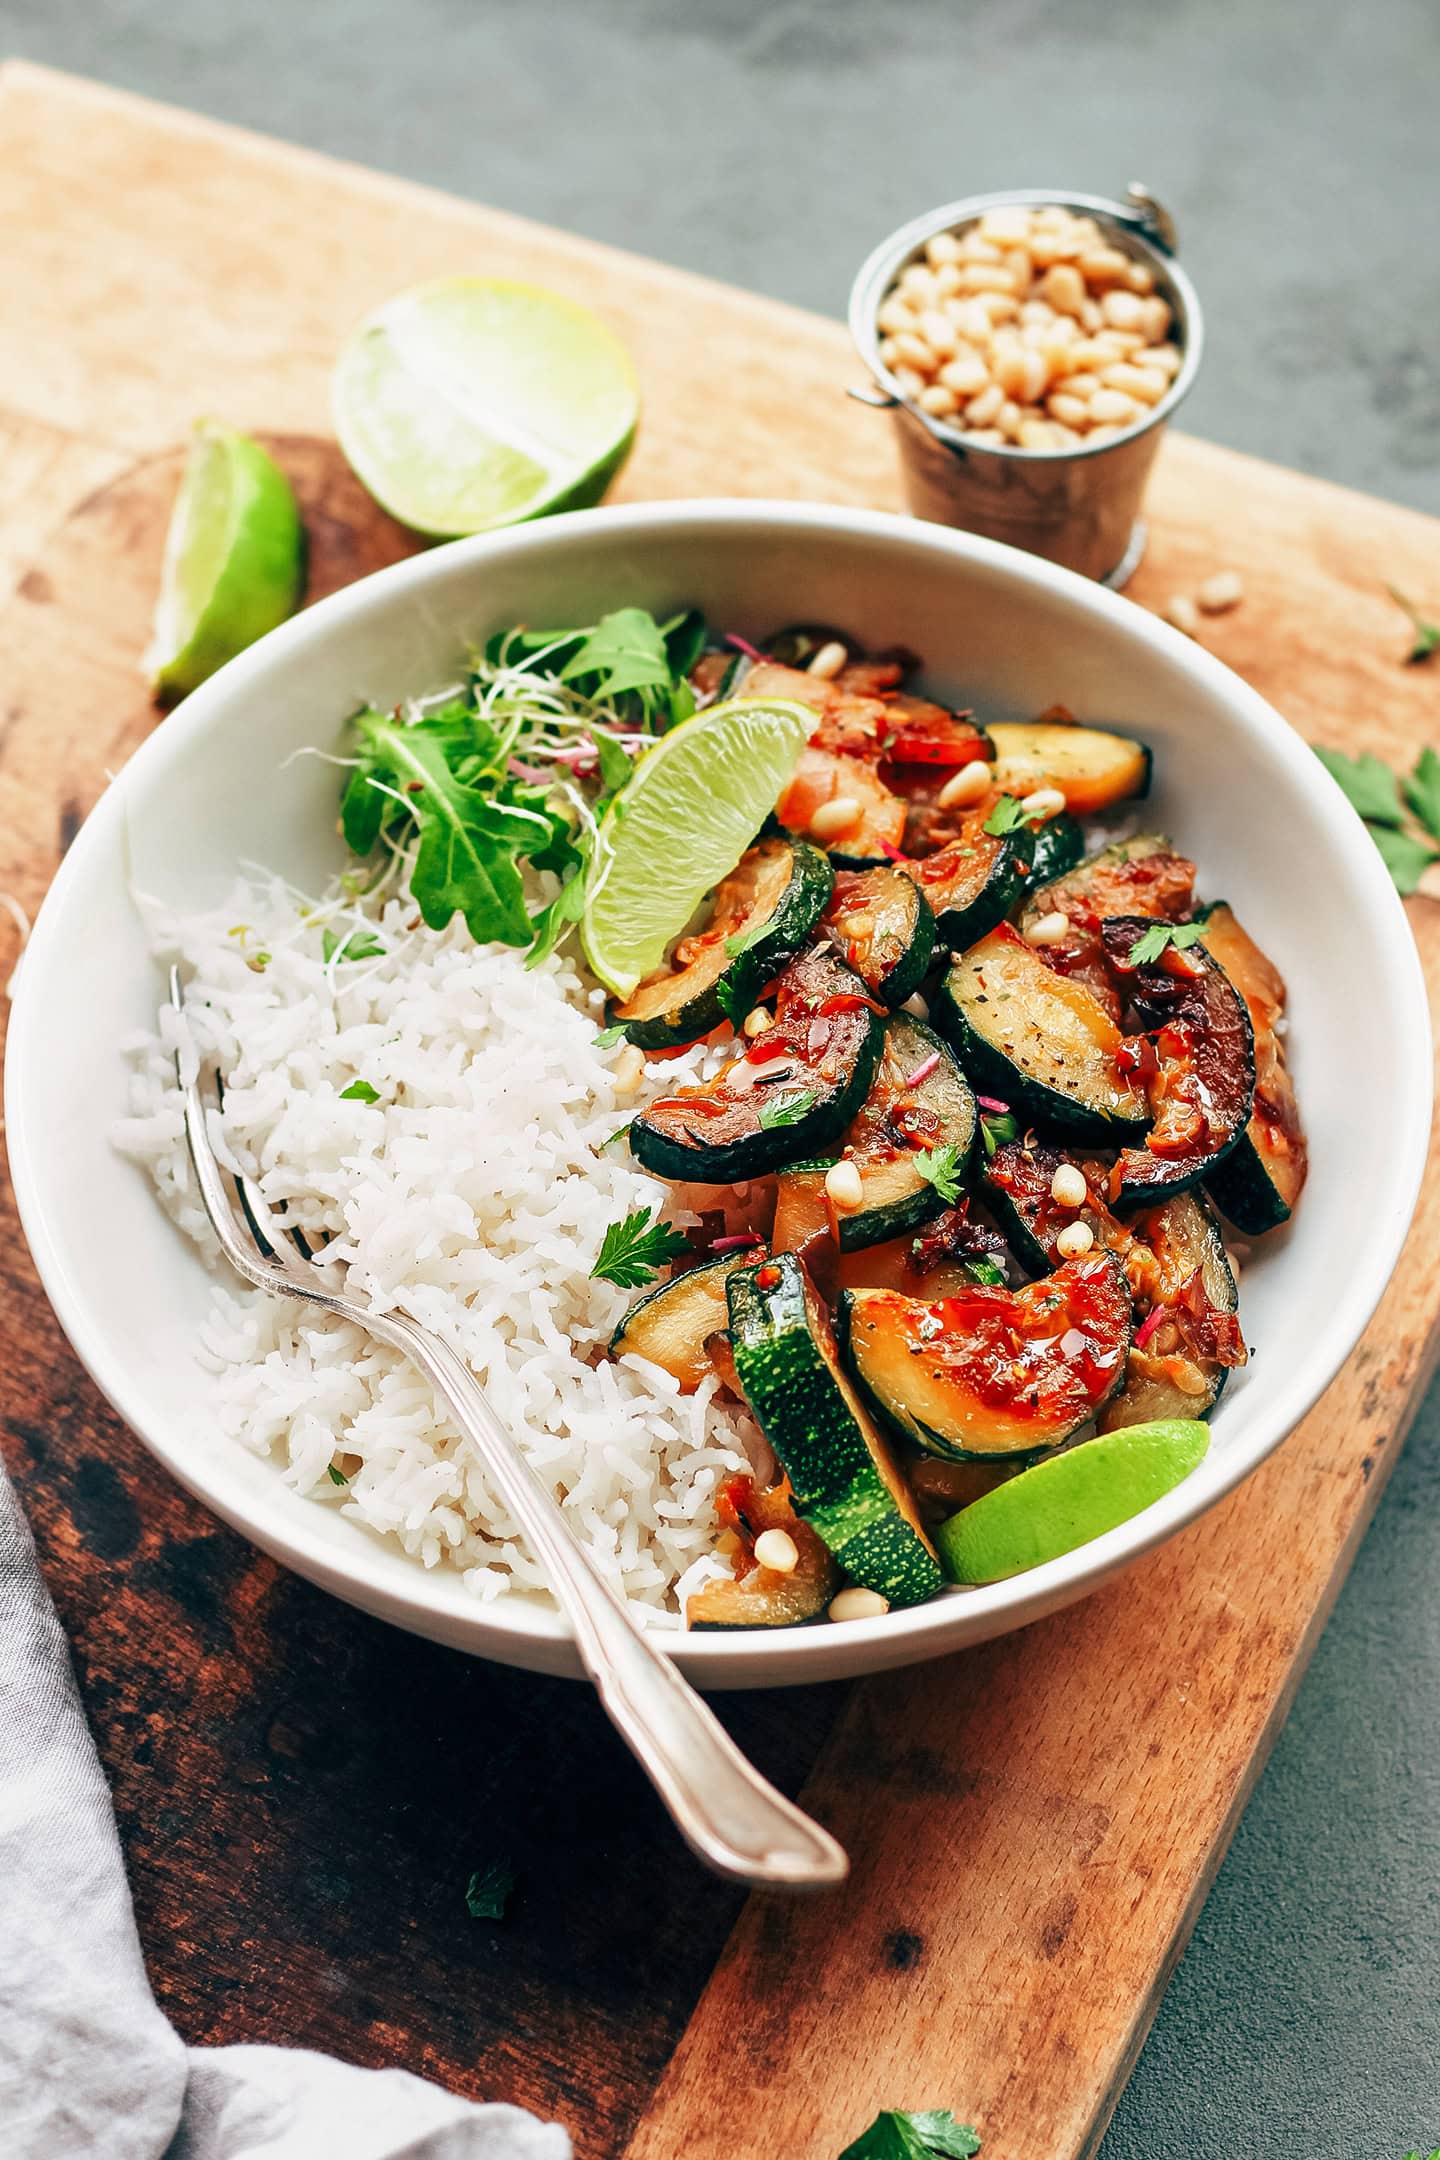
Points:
(767, 907)
(790, 1091)
(1059, 845)
(1142, 876)
(1203, 1088)
(1259, 1184)
(672, 1324)
(974, 882)
(992, 1371)
(1040, 1042)
(1092, 768)
(844, 1480)
(1176, 1265)
(1017, 1181)
(826, 776)
(759, 1596)
(884, 927)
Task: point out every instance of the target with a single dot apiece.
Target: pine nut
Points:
(756, 1023)
(1036, 435)
(1067, 407)
(1123, 310)
(777, 1550)
(1064, 288)
(835, 817)
(828, 662)
(1008, 420)
(844, 1188)
(1045, 802)
(984, 277)
(918, 285)
(912, 349)
(857, 1604)
(1112, 409)
(895, 315)
(966, 786)
(1146, 384)
(982, 411)
(1007, 227)
(1223, 590)
(907, 380)
(1140, 277)
(991, 437)
(1104, 266)
(943, 248)
(939, 332)
(1076, 1238)
(1187, 1377)
(628, 1070)
(967, 375)
(1068, 1187)
(1051, 929)
(1181, 610)
(939, 402)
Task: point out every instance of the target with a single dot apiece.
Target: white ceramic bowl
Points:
(998, 629)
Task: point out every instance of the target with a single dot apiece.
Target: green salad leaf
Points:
(898, 2134)
(354, 945)
(359, 1091)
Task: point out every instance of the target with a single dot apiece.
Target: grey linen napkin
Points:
(89, 2067)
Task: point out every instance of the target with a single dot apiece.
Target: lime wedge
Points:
(473, 402)
(682, 820)
(1056, 1505)
(234, 560)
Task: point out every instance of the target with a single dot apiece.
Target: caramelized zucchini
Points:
(1059, 845)
(760, 917)
(992, 1371)
(1260, 1183)
(672, 1324)
(974, 882)
(1143, 876)
(791, 1089)
(1092, 769)
(1040, 1042)
(884, 928)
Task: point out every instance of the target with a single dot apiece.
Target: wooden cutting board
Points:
(304, 1793)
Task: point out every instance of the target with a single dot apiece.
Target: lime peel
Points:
(686, 815)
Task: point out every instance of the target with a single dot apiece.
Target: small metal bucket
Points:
(1076, 507)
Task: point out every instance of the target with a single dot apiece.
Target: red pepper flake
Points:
(702, 1105)
(767, 1277)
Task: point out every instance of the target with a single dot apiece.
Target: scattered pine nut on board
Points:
(1033, 1825)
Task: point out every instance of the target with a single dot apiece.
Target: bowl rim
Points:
(956, 1617)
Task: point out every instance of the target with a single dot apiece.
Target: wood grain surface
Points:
(304, 1793)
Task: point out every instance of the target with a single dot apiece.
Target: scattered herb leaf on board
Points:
(488, 1890)
(1152, 942)
(1372, 789)
(897, 2134)
(634, 1250)
(942, 1168)
(336, 1477)
(785, 1109)
(1427, 634)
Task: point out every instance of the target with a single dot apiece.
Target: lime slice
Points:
(1056, 1505)
(682, 820)
(234, 560)
(473, 402)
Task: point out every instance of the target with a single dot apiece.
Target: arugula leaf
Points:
(1152, 942)
(1405, 858)
(997, 1130)
(608, 1037)
(1427, 634)
(1368, 783)
(635, 1249)
(549, 924)
(1005, 817)
(616, 763)
(682, 702)
(785, 1109)
(684, 637)
(897, 2134)
(336, 1477)
(488, 1890)
(1422, 791)
(355, 945)
(359, 1091)
(943, 1168)
(728, 998)
(625, 651)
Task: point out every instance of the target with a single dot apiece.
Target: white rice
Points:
(471, 1197)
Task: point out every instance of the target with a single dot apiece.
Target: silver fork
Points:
(727, 1813)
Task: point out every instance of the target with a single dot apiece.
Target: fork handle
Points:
(728, 1814)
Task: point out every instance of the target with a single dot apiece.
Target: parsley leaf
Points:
(785, 1109)
(355, 945)
(634, 1250)
(608, 1037)
(1427, 634)
(488, 1890)
(942, 1167)
(1422, 791)
(1405, 858)
(1006, 816)
(359, 1091)
(997, 1130)
(728, 998)
(897, 2134)
(336, 1477)
(1368, 784)
(1152, 942)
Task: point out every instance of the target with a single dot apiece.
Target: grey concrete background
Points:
(772, 144)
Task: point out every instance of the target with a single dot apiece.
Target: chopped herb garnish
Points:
(897, 2134)
(1006, 816)
(608, 1037)
(996, 1131)
(987, 1271)
(1427, 634)
(744, 939)
(355, 945)
(359, 1091)
(1371, 788)
(488, 1890)
(615, 1138)
(944, 1168)
(633, 1251)
(1152, 942)
(336, 1477)
(785, 1109)
(728, 998)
